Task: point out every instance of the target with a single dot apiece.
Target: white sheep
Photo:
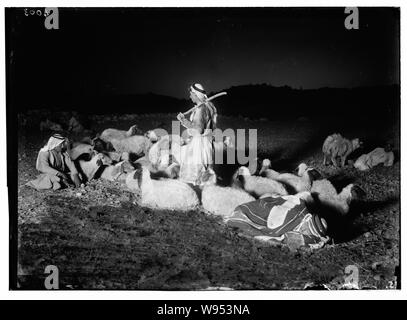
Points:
(302, 181)
(91, 167)
(137, 145)
(117, 172)
(162, 194)
(79, 149)
(114, 134)
(326, 195)
(218, 200)
(258, 186)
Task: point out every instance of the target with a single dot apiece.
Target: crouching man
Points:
(56, 167)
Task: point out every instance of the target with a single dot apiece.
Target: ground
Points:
(99, 238)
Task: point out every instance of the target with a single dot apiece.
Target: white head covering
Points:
(54, 141)
(199, 91)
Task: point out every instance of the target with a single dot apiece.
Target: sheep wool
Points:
(218, 200)
(302, 182)
(137, 145)
(258, 186)
(164, 193)
(326, 193)
(79, 149)
(109, 135)
(91, 167)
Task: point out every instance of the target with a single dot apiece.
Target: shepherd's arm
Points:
(198, 122)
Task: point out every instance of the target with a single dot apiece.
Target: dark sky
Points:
(115, 51)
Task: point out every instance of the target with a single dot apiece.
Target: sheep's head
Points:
(357, 192)
(313, 174)
(306, 196)
(352, 192)
(300, 170)
(244, 171)
(207, 177)
(227, 142)
(133, 130)
(266, 163)
(102, 159)
(150, 134)
(356, 143)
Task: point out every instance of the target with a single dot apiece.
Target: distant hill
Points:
(257, 101)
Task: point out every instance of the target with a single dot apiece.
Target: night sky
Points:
(126, 51)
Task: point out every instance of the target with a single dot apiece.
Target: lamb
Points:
(258, 186)
(114, 134)
(162, 194)
(221, 201)
(91, 167)
(337, 146)
(79, 149)
(325, 193)
(374, 158)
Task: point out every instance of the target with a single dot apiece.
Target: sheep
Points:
(337, 146)
(302, 181)
(114, 134)
(266, 170)
(373, 158)
(117, 172)
(258, 186)
(91, 167)
(326, 195)
(158, 170)
(218, 200)
(137, 145)
(79, 149)
(160, 151)
(162, 194)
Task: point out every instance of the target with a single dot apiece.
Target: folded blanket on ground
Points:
(284, 219)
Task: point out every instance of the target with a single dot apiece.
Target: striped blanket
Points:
(284, 219)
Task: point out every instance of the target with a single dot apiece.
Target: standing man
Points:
(199, 151)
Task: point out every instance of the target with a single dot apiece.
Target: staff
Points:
(195, 107)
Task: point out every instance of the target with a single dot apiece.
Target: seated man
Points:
(55, 165)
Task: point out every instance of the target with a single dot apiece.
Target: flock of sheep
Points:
(148, 164)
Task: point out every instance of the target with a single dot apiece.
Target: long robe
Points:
(199, 151)
(49, 164)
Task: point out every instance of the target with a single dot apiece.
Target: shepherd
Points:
(54, 164)
(199, 155)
